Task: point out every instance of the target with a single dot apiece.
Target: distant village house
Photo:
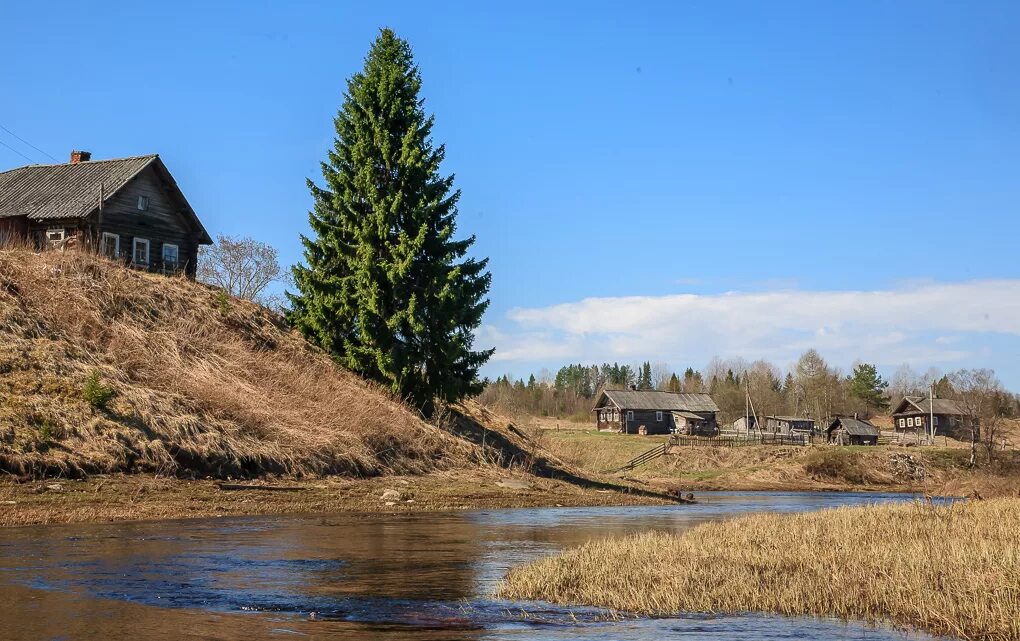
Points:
(653, 412)
(920, 415)
(130, 209)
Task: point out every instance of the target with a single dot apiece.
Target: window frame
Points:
(116, 244)
(61, 230)
(935, 421)
(143, 203)
(902, 422)
(910, 421)
(134, 250)
(177, 254)
(630, 415)
(658, 417)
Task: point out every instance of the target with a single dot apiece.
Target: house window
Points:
(55, 235)
(143, 203)
(910, 422)
(630, 415)
(903, 422)
(935, 421)
(140, 251)
(110, 245)
(658, 417)
(170, 254)
(616, 414)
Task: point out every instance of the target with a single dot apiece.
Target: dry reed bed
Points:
(202, 384)
(950, 570)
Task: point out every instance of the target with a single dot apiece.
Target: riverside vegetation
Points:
(950, 570)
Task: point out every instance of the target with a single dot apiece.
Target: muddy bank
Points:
(142, 497)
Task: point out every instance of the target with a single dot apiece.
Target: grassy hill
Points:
(104, 369)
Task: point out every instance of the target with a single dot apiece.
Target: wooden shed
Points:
(654, 412)
(789, 425)
(847, 430)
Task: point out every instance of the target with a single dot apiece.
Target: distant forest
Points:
(812, 388)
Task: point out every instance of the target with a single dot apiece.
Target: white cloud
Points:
(918, 324)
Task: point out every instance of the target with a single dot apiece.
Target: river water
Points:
(392, 577)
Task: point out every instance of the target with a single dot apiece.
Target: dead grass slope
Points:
(201, 384)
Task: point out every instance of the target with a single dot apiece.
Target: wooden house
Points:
(130, 209)
(847, 430)
(789, 425)
(653, 412)
(919, 415)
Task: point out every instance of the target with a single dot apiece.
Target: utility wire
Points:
(16, 151)
(28, 143)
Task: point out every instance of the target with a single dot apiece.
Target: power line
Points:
(28, 143)
(16, 151)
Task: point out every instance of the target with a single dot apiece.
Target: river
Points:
(406, 577)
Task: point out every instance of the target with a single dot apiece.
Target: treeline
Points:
(812, 388)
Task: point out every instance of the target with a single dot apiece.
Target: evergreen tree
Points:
(866, 385)
(385, 288)
(674, 383)
(645, 381)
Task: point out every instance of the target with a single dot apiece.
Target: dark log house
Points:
(130, 209)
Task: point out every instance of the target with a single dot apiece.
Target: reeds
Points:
(196, 386)
(950, 570)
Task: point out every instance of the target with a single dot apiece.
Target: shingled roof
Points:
(73, 190)
(67, 190)
(665, 401)
(854, 426)
(915, 404)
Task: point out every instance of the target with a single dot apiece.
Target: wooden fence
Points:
(682, 440)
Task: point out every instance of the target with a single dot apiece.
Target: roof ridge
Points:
(84, 162)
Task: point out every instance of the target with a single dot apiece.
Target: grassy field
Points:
(933, 470)
(950, 570)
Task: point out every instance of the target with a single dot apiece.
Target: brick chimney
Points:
(80, 156)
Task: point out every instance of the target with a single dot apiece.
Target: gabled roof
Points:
(854, 426)
(653, 400)
(73, 190)
(915, 404)
(792, 418)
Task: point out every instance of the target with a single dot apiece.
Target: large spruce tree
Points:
(386, 288)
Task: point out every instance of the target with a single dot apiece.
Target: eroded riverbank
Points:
(143, 497)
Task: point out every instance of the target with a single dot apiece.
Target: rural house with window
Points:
(920, 415)
(652, 412)
(129, 209)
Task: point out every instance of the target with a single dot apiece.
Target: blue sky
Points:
(857, 163)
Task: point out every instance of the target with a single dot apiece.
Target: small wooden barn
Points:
(847, 430)
(654, 412)
(789, 425)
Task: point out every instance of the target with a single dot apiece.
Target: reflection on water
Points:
(418, 576)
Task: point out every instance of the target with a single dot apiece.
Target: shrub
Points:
(95, 392)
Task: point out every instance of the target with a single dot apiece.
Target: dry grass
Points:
(952, 570)
(201, 383)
